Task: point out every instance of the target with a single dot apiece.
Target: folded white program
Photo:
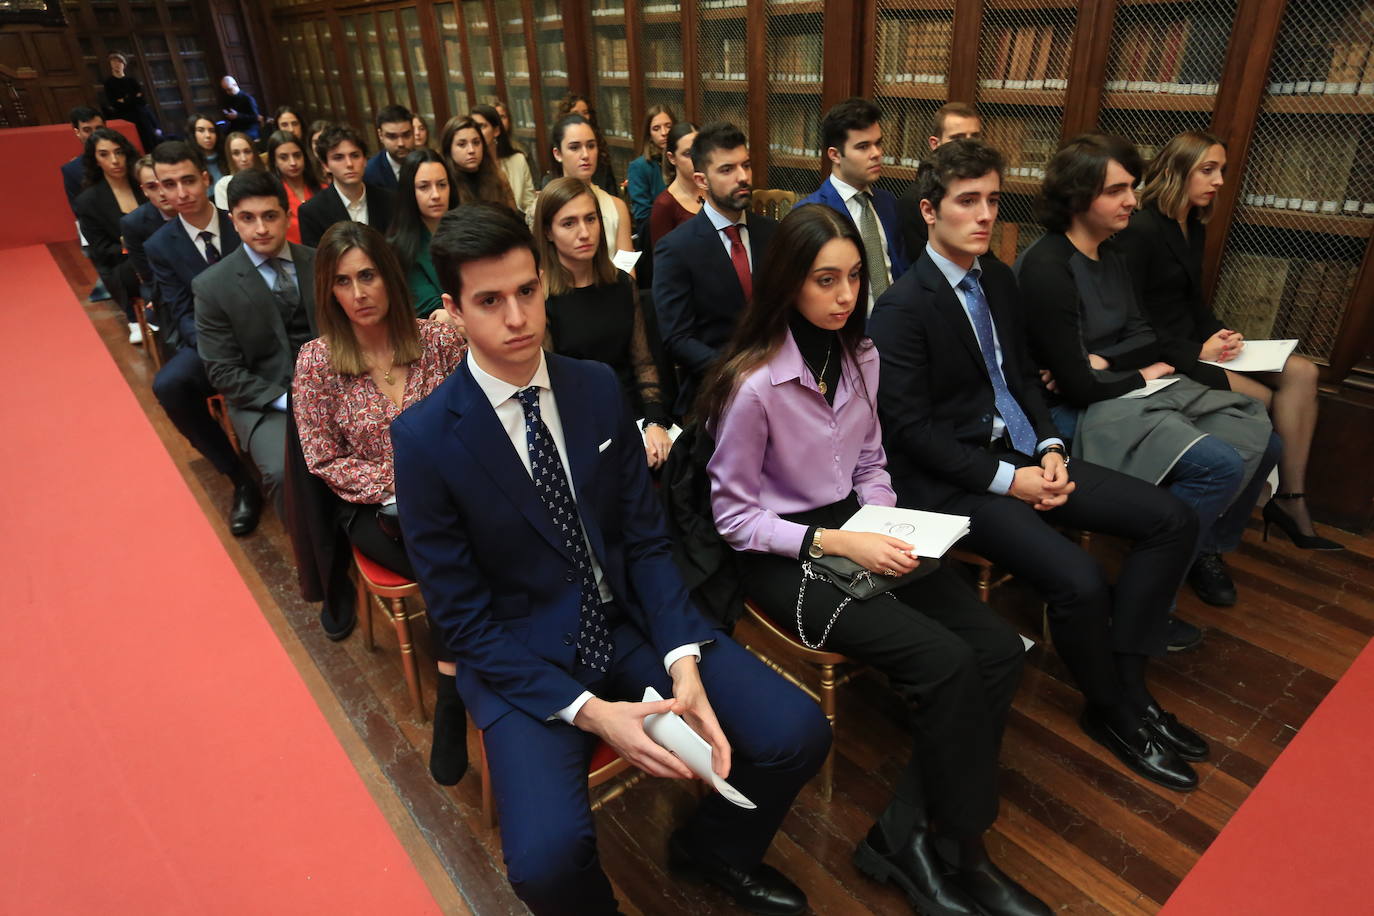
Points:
(670, 732)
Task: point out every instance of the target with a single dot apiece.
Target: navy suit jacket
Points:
(885, 205)
(378, 174)
(72, 177)
(325, 209)
(502, 590)
(697, 293)
(175, 261)
(137, 227)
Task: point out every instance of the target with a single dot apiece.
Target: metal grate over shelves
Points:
(794, 54)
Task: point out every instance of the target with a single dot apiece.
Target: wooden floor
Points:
(1076, 827)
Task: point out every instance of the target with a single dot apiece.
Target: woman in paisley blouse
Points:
(372, 360)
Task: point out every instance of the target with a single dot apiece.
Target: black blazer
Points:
(935, 399)
(73, 174)
(1167, 271)
(697, 294)
(136, 228)
(325, 209)
(99, 215)
(175, 261)
(914, 228)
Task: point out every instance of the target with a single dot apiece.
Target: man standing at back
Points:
(396, 131)
(952, 121)
(344, 155)
(852, 139)
(704, 269)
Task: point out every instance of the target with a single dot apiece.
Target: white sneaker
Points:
(135, 333)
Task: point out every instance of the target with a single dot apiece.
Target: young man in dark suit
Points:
(967, 431)
(344, 155)
(255, 309)
(703, 270)
(539, 543)
(952, 121)
(85, 121)
(137, 226)
(199, 236)
(396, 132)
(852, 139)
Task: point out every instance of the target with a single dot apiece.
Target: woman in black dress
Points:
(593, 308)
(111, 192)
(126, 100)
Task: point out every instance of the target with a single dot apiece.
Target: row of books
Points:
(553, 61)
(1329, 172)
(914, 50)
(1181, 56)
(1318, 58)
(661, 57)
(794, 128)
(1267, 296)
(796, 58)
(612, 56)
(522, 111)
(730, 62)
(613, 114)
(1026, 57)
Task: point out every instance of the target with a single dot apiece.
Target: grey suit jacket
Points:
(241, 336)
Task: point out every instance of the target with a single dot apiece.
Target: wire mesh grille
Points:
(451, 47)
(301, 61)
(329, 74)
(611, 81)
(552, 52)
(1023, 73)
(1306, 203)
(394, 55)
(660, 54)
(722, 62)
(419, 70)
(1163, 70)
(794, 55)
(910, 81)
(510, 20)
(376, 70)
(479, 49)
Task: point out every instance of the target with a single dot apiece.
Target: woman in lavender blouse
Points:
(798, 450)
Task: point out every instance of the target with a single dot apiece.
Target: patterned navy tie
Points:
(211, 252)
(594, 646)
(1018, 424)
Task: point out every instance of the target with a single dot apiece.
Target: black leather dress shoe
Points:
(1143, 751)
(998, 894)
(917, 870)
(762, 890)
(1211, 581)
(243, 516)
(1183, 635)
(1187, 743)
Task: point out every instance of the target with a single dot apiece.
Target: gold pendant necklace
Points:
(821, 386)
(386, 373)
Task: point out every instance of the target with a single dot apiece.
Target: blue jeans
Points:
(1210, 477)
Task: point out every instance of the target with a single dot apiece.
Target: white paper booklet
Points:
(931, 534)
(626, 260)
(670, 732)
(1153, 385)
(1259, 356)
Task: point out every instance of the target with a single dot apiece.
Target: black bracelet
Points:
(1051, 448)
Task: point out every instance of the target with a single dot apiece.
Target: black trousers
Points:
(954, 661)
(359, 522)
(1089, 618)
(182, 387)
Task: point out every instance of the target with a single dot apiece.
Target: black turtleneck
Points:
(815, 345)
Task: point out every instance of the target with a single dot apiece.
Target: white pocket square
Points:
(603, 446)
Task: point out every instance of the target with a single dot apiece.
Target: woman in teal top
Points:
(646, 173)
(422, 198)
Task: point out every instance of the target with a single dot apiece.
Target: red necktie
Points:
(740, 257)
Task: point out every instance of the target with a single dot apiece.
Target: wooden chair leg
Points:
(827, 693)
(984, 583)
(364, 612)
(149, 343)
(408, 661)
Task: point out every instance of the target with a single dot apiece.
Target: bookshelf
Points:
(454, 57)
(794, 60)
(662, 54)
(614, 56)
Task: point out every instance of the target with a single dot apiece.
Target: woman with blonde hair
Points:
(372, 360)
(1164, 249)
(240, 156)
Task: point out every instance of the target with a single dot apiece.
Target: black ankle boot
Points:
(448, 755)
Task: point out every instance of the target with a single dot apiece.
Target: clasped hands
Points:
(1043, 486)
(621, 725)
(1223, 346)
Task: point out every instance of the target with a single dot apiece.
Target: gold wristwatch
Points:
(815, 549)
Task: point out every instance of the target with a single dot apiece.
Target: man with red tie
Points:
(703, 269)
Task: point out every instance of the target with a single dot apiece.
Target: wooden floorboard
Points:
(1076, 827)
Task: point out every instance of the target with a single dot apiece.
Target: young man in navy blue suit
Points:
(137, 226)
(85, 121)
(396, 131)
(199, 236)
(703, 269)
(539, 544)
(852, 139)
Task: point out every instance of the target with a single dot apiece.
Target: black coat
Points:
(325, 209)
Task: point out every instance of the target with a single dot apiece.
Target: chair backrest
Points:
(773, 202)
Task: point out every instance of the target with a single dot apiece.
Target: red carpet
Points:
(1301, 843)
(160, 752)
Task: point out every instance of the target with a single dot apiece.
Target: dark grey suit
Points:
(245, 339)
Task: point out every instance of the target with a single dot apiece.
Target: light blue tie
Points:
(1018, 424)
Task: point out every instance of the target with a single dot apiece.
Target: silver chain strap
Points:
(809, 573)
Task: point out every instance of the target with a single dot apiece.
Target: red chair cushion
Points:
(379, 574)
(604, 755)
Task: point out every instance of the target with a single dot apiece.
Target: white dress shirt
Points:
(511, 415)
(954, 275)
(722, 222)
(850, 195)
(194, 233)
(356, 211)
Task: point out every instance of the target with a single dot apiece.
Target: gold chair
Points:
(150, 345)
(219, 412)
(773, 203)
(777, 642)
(390, 591)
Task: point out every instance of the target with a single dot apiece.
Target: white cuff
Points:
(1001, 481)
(692, 648)
(569, 712)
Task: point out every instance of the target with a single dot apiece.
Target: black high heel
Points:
(1273, 515)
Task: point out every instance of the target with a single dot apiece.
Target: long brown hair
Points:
(762, 329)
(229, 168)
(649, 149)
(345, 356)
(489, 184)
(556, 195)
(1166, 177)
